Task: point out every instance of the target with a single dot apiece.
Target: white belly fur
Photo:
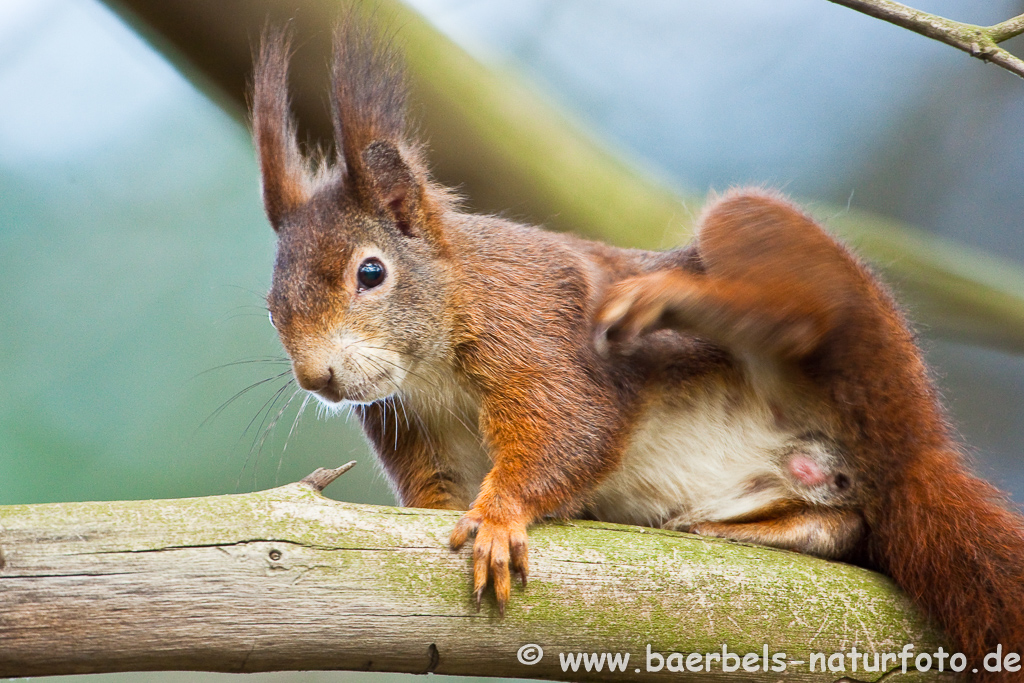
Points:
(454, 435)
(693, 458)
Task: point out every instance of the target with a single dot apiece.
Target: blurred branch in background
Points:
(508, 151)
(978, 41)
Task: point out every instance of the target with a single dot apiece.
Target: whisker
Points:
(229, 318)
(248, 457)
(401, 402)
(238, 395)
(268, 360)
(265, 433)
(258, 295)
(430, 397)
(295, 422)
(267, 403)
(288, 437)
(395, 411)
(265, 410)
(399, 352)
(375, 360)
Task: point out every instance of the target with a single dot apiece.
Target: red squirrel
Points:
(759, 384)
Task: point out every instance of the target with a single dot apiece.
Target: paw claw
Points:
(633, 307)
(464, 529)
(625, 312)
(519, 554)
(499, 550)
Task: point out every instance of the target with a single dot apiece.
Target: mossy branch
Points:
(288, 579)
(978, 41)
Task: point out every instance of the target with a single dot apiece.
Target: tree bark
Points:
(289, 579)
(977, 41)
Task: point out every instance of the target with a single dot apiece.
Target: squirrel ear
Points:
(391, 183)
(284, 171)
(368, 103)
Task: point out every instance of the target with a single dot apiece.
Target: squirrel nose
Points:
(313, 379)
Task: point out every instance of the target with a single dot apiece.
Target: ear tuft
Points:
(369, 89)
(286, 183)
(391, 183)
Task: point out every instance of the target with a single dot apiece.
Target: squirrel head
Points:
(358, 294)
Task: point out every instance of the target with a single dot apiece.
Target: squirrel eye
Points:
(371, 273)
(271, 316)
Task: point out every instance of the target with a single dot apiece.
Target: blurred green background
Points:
(133, 260)
(134, 253)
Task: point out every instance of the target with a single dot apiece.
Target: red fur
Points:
(485, 331)
(947, 538)
(951, 541)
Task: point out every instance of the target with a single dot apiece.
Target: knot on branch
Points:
(983, 52)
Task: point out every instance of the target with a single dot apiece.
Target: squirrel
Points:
(759, 384)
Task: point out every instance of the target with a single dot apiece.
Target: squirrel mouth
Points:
(329, 394)
(332, 394)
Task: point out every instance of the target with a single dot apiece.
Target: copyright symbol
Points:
(530, 654)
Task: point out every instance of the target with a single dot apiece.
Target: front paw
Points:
(499, 550)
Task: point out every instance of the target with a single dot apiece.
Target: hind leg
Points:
(774, 285)
(831, 533)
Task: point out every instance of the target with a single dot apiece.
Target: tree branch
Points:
(1011, 28)
(288, 579)
(977, 41)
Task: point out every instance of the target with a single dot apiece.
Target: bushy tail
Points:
(776, 285)
(953, 544)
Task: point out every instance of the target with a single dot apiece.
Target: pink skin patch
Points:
(806, 471)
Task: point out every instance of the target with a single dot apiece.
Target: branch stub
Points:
(322, 477)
